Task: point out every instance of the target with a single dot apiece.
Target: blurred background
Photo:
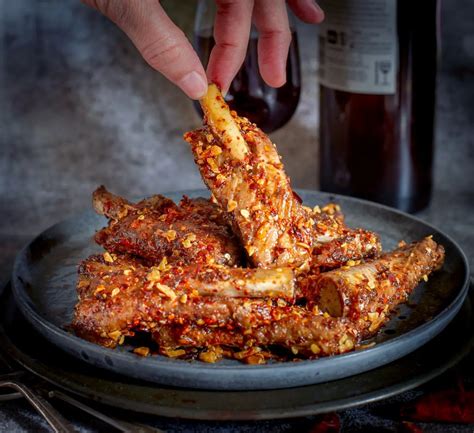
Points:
(80, 108)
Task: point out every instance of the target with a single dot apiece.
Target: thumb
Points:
(161, 43)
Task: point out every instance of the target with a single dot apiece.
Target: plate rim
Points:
(27, 306)
(267, 414)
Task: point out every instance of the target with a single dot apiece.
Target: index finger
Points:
(231, 34)
(161, 43)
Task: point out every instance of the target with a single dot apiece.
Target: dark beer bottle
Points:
(377, 76)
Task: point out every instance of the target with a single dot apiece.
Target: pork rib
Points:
(335, 244)
(297, 329)
(123, 296)
(359, 299)
(243, 170)
(118, 298)
(368, 292)
(119, 294)
(192, 232)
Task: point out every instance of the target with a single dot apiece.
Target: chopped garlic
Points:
(154, 274)
(231, 205)
(142, 351)
(108, 258)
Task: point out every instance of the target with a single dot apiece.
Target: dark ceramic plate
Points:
(44, 287)
(19, 340)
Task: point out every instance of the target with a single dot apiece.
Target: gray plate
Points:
(20, 341)
(44, 287)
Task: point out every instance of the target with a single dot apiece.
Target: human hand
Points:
(165, 47)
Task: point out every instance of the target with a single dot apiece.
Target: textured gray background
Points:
(80, 108)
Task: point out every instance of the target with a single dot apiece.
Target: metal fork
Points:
(57, 422)
(13, 376)
(123, 426)
(12, 395)
(12, 380)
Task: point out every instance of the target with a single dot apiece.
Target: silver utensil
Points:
(15, 378)
(123, 426)
(57, 422)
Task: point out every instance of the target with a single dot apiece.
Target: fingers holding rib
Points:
(271, 20)
(161, 43)
(231, 34)
(165, 47)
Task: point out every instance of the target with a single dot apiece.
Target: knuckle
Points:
(284, 35)
(228, 7)
(226, 45)
(117, 10)
(225, 4)
(162, 52)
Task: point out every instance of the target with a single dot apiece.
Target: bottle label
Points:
(358, 46)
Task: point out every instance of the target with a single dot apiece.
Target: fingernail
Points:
(194, 85)
(318, 9)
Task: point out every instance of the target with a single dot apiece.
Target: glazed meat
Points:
(335, 244)
(367, 293)
(156, 227)
(120, 294)
(243, 170)
(360, 296)
(299, 330)
(248, 274)
(192, 232)
(188, 306)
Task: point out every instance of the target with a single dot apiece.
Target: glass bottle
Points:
(378, 62)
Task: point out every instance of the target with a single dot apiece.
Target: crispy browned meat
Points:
(350, 245)
(364, 295)
(116, 208)
(192, 232)
(368, 292)
(172, 270)
(119, 295)
(334, 243)
(243, 170)
(298, 329)
(274, 227)
(151, 236)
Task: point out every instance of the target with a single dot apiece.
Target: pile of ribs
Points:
(249, 274)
